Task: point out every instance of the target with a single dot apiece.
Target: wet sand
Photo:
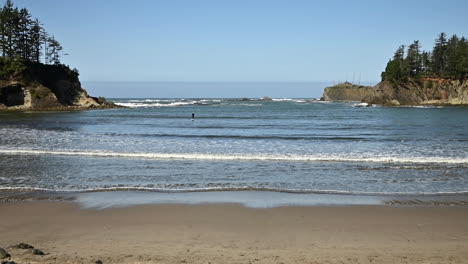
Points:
(226, 233)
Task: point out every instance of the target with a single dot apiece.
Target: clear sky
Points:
(241, 40)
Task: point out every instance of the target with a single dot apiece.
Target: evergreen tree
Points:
(395, 67)
(23, 34)
(413, 59)
(399, 53)
(22, 38)
(36, 34)
(426, 62)
(7, 18)
(452, 56)
(439, 54)
(462, 66)
(54, 49)
(449, 58)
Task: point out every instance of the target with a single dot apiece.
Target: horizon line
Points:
(127, 81)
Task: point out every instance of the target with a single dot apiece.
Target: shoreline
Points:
(14, 109)
(246, 198)
(229, 233)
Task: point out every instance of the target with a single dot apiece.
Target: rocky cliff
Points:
(423, 91)
(346, 92)
(46, 87)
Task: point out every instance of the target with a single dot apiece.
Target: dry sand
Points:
(234, 234)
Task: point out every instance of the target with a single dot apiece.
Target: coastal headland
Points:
(416, 77)
(424, 91)
(41, 87)
(32, 76)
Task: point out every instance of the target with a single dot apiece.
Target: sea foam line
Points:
(242, 157)
(28, 189)
(142, 104)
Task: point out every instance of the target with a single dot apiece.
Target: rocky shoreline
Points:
(424, 91)
(47, 88)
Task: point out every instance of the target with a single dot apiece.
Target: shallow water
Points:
(287, 145)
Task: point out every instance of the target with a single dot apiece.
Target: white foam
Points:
(289, 100)
(156, 105)
(148, 100)
(420, 106)
(361, 105)
(246, 157)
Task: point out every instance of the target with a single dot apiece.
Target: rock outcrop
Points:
(266, 98)
(424, 91)
(46, 87)
(346, 92)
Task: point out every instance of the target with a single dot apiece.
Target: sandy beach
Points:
(226, 233)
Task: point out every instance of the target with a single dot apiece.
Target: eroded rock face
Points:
(426, 91)
(347, 92)
(31, 96)
(68, 92)
(43, 87)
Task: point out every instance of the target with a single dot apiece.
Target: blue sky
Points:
(241, 40)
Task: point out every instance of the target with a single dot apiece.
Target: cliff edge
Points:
(422, 91)
(346, 92)
(37, 86)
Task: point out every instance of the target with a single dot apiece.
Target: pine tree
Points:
(23, 34)
(3, 31)
(426, 62)
(395, 67)
(54, 49)
(36, 35)
(462, 66)
(7, 30)
(413, 59)
(452, 55)
(399, 53)
(439, 54)
(22, 38)
(449, 58)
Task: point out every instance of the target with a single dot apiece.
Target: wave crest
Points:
(242, 157)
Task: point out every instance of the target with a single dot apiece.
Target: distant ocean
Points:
(206, 89)
(298, 146)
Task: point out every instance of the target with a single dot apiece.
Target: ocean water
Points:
(294, 146)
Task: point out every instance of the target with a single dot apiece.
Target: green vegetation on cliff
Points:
(415, 77)
(31, 75)
(28, 52)
(24, 39)
(448, 59)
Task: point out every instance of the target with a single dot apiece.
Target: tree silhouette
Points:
(448, 59)
(24, 38)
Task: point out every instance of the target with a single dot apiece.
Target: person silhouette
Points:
(193, 115)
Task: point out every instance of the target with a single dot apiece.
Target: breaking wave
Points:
(242, 157)
(156, 105)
